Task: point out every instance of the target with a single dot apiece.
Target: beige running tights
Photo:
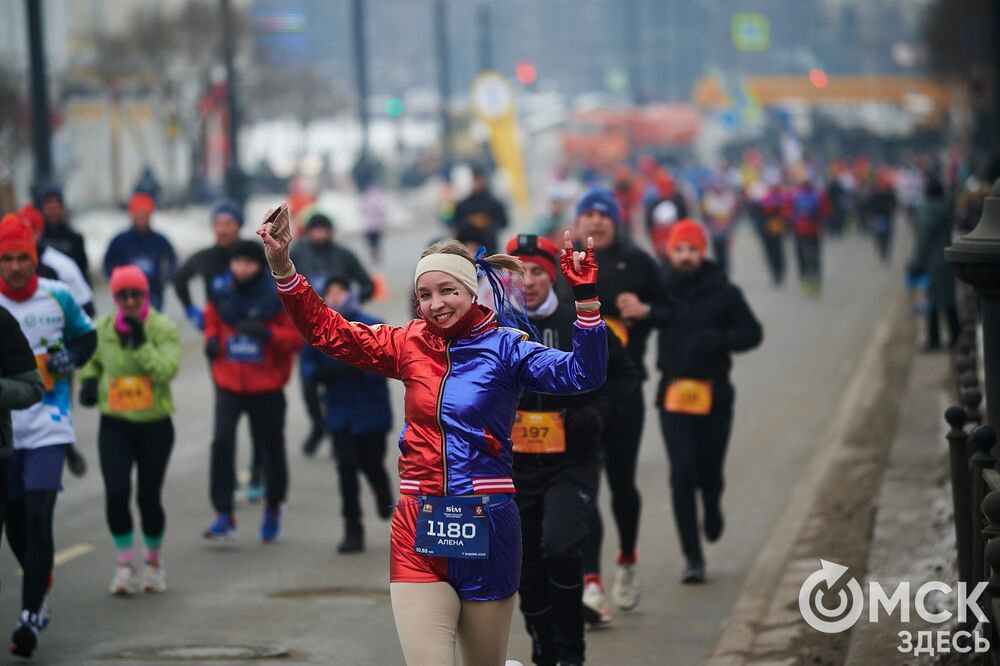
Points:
(429, 616)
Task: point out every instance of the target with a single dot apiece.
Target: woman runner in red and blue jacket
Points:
(456, 545)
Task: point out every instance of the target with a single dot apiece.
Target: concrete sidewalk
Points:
(914, 536)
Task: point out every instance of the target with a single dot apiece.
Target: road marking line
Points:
(67, 555)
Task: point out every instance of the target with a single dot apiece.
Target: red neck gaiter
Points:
(462, 328)
(22, 294)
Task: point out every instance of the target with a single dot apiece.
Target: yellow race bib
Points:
(130, 394)
(539, 432)
(42, 361)
(689, 396)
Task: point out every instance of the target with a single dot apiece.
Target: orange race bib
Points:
(539, 432)
(42, 361)
(774, 226)
(689, 396)
(619, 328)
(130, 394)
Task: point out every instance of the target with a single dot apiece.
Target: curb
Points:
(769, 578)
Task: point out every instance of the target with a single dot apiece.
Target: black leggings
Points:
(696, 446)
(621, 438)
(29, 531)
(360, 453)
(556, 503)
(808, 253)
(146, 446)
(267, 429)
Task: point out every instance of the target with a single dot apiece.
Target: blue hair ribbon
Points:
(507, 314)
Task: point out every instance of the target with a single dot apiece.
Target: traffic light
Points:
(394, 107)
(818, 78)
(526, 73)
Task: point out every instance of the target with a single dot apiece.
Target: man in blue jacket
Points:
(359, 417)
(143, 247)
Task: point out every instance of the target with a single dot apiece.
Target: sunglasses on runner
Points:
(126, 294)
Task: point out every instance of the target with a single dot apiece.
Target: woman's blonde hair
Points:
(503, 262)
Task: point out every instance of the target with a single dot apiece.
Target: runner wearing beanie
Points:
(141, 246)
(55, 265)
(456, 538)
(628, 274)
(138, 355)
(251, 345)
(705, 319)
(62, 338)
(212, 263)
(318, 258)
(557, 466)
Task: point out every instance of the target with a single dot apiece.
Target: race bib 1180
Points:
(453, 527)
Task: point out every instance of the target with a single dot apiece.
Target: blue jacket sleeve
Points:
(543, 370)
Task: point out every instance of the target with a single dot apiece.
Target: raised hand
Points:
(276, 232)
(580, 268)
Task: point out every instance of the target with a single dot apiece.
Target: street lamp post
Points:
(975, 259)
(234, 175)
(41, 132)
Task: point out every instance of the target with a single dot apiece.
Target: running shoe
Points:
(353, 541)
(384, 504)
(312, 441)
(24, 640)
(223, 528)
(596, 610)
(255, 492)
(270, 525)
(124, 582)
(713, 524)
(75, 461)
(693, 573)
(154, 578)
(626, 591)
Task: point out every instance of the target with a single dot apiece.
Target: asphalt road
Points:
(299, 595)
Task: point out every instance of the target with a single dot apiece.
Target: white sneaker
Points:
(124, 581)
(154, 578)
(595, 604)
(626, 591)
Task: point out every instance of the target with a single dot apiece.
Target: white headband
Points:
(458, 267)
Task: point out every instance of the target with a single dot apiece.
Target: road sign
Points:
(751, 32)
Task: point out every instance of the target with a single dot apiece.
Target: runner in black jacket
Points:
(705, 320)
(211, 262)
(626, 273)
(557, 467)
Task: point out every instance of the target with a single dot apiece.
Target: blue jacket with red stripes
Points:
(461, 395)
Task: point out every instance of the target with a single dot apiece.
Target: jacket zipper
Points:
(440, 400)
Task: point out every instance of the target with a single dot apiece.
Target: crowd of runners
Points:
(523, 369)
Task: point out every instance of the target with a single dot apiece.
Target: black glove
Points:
(88, 392)
(61, 362)
(136, 333)
(255, 329)
(212, 348)
(585, 422)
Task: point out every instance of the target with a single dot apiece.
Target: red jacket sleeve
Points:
(374, 348)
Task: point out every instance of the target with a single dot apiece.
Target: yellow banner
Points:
(493, 103)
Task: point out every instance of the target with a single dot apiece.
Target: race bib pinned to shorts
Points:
(453, 527)
(130, 394)
(244, 349)
(42, 361)
(689, 396)
(539, 432)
